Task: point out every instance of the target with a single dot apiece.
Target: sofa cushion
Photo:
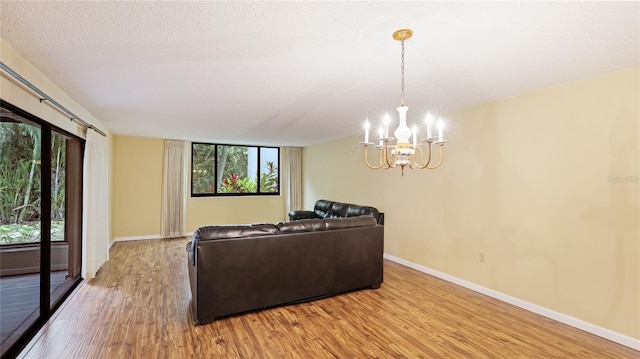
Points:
(323, 208)
(302, 214)
(349, 222)
(302, 225)
(328, 209)
(355, 211)
(228, 231)
(234, 231)
(339, 209)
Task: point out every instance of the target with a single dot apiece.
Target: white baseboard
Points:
(134, 238)
(563, 318)
(141, 238)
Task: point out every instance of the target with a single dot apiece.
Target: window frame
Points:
(215, 171)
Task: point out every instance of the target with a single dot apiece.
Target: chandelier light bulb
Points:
(386, 122)
(366, 131)
(440, 128)
(429, 121)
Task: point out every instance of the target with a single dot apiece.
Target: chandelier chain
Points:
(402, 74)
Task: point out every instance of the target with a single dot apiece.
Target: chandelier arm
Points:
(441, 158)
(413, 163)
(417, 163)
(422, 165)
(382, 156)
(366, 159)
(390, 159)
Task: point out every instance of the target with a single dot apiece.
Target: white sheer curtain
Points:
(173, 189)
(95, 225)
(293, 179)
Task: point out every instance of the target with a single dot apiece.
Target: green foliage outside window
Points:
(20, 178)
(236, 184)
(269, 180)
(224, 170)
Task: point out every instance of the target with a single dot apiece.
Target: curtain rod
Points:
(45, 97)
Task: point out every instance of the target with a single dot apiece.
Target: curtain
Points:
(95, 225)
(173, 189)
(293, 176)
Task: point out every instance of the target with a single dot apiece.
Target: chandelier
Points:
(403, 153)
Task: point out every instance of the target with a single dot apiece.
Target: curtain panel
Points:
(293, 176)
(95, 225)
(174, 189)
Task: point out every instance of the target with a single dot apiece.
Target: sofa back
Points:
(302, 225)
(266, 229)
(235, 231)
(325, 209)
(209, 233)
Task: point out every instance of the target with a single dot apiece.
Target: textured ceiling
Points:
(299, 73)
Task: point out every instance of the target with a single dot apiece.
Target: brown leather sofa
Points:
(234, 269)
(329, 209)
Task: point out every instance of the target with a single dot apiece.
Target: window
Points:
(231, 170)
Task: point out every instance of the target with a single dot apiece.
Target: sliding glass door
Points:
(20, 227)
(40, 222)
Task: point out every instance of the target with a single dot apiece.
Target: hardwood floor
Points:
(138, 307)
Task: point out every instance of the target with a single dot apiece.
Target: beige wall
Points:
(544, 184)
(138, 195)
(137, 186)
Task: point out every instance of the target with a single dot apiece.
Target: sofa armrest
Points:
(191, 254)
(302, 214)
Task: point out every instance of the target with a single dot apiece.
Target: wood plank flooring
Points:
(138, 307)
